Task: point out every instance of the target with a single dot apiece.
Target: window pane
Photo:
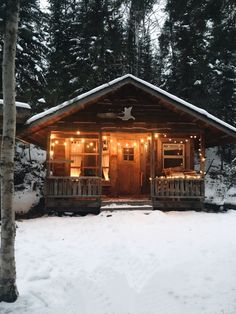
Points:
(128, 154)
(173, 162)
(173, 149)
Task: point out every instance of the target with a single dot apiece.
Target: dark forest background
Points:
(187, 47)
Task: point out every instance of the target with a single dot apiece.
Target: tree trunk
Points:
(8, 289)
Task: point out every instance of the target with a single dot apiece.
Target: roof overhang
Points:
(226, 132)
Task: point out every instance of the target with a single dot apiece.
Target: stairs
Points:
(126, 204)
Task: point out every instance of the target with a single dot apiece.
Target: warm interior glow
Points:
(75, 172)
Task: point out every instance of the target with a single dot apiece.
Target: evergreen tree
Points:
(31, 52)
(222, 61)
(137, 35)
(58, 76)
(97, 50)
(183, 50)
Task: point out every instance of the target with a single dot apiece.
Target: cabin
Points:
(126, 139)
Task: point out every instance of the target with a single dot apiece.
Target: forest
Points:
(186, 47)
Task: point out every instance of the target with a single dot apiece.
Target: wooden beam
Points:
(100, 145)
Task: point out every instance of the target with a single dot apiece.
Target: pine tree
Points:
(31, 52)
(137, 35)
(222, 61)
(97, 50)
(58, 76)
(183, 50)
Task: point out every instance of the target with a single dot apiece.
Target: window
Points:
(84, 157)
(128, 154)
(173, 155)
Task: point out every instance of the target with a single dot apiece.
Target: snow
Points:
(126, 262)
(151, 86)
(42, 100)
(19, 104)
(24, 200)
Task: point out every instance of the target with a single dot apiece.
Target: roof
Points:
(68, 107)
(19, 104)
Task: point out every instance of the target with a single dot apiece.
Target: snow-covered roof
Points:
(130, 77)
(19, 104)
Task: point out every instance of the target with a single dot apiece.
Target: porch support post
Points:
(48, 154)
(152, 163)
(100, 154)
(202, 155)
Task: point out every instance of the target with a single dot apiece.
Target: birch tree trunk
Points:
(8, 289)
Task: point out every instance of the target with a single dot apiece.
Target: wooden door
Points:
(128, 170)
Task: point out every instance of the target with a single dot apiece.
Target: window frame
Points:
(164, 157)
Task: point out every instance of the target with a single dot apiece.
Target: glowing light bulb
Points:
(156, 135)
(56, 142)
(142, 140)
(78, 132)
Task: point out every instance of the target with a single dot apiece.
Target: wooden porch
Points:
(180, 193)
(77, 194)
(83, 193)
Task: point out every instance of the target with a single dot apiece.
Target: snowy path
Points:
(130, 263)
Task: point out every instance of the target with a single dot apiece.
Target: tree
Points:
(138, 37)
(8, 289)
(31, 51)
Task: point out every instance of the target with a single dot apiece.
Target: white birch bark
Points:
(8, 289)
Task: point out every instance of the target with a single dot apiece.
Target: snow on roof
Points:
(19, 104)
(42, 100)
(149, 85)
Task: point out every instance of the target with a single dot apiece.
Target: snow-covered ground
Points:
(127, 262)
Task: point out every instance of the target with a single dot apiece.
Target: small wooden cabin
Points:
(126, 139)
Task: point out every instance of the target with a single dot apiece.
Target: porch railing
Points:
(178, 188)
(82, 187)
